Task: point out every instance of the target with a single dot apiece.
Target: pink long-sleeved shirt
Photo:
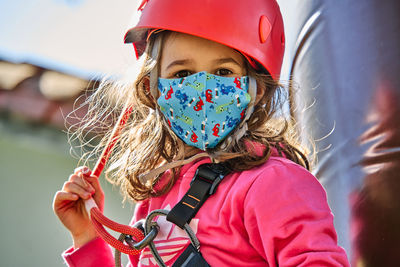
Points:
(275, 214)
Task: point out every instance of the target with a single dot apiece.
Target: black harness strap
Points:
(190, 258)
(203, 185)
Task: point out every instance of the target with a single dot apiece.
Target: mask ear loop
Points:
(253, 94)
(155, 52)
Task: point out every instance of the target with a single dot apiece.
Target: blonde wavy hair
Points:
(147, 142)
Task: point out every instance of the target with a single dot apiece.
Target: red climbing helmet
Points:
(255, 28)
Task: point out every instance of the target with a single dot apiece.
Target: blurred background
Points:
(51, 52)
(343, 57)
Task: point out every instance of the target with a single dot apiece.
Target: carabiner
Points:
(145, 241)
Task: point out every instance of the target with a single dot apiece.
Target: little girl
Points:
(207, 92)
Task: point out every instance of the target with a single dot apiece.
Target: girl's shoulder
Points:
(278, 164)
(279, 170)
(280, 177)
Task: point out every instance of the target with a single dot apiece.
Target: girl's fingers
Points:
(98, 194)
(63, 196)
(82, 169)
(93, 181)
(82, 182)
(85, 179)
(74, 188)
(82, 177)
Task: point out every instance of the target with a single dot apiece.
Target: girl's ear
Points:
(146, 84)
(146, 88)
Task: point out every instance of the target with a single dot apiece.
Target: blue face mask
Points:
(202, 109)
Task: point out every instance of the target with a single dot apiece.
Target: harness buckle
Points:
(212, 173)
(214, 185)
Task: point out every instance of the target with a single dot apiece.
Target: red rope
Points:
(96, 216)
(99, 221)
(126, 112)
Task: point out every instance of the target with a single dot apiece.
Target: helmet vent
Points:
(264, 28)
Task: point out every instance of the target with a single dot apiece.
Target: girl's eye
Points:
(223, 72)
(182, 73)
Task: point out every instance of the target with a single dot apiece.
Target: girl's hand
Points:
(69, 207)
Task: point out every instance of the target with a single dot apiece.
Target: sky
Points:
(78, 37)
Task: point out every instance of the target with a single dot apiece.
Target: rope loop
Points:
(99, 221)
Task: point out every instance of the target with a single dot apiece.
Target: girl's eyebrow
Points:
(227, 60)
(178, 63)
(181, 62)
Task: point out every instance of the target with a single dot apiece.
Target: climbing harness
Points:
(133, 239)
(203, 185)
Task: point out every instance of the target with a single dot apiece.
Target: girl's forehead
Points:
(177, 44)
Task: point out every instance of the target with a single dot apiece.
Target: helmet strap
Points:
(154, 73)
(253, 94)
